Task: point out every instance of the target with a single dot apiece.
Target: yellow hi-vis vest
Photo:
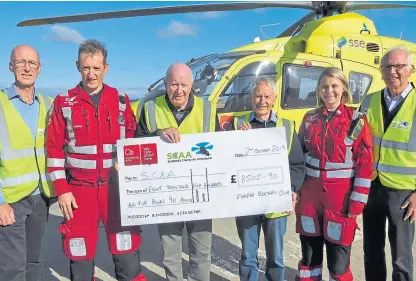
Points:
(394, 152)
(201, 119)
(22, 158)
(281, 122)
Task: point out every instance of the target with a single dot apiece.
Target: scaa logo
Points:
(202, 148)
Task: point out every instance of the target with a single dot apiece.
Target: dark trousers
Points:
(384, 203)
(20, 243)
(127, 268)
(338, 257)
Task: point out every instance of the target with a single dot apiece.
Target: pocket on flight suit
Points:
(123, 240)
(78, 244)
(307, 221)
(339, 230)
(79, 122)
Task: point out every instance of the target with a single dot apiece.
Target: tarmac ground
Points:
(226, 249)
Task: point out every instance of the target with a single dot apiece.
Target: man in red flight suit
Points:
(338, 155)
(84, 126)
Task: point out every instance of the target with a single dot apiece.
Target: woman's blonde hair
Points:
(338, 74)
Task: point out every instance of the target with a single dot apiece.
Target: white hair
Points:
(265, 80)
(399, 48)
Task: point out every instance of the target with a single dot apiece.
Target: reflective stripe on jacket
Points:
(394, 150)
(333, 157)
(82, 138)
(22, 168)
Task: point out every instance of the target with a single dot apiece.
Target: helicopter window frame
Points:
(245, 72)
(158, 88)
(285, 78)
(363, 92)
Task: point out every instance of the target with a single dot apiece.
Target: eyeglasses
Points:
(22, 63)
(396, 67)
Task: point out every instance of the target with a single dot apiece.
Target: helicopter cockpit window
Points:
(236, 97)
(299, 85)
(207, 72)
(359, 85)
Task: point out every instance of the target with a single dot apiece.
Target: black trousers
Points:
(385, 204)
(338, 257)
(127, 267)
(21, 242)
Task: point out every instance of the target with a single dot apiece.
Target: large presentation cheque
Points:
(204, 176)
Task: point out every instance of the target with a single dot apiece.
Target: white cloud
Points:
(177, 28)
(207, 15)
(65, 34)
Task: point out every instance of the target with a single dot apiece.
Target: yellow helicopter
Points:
(330, 35)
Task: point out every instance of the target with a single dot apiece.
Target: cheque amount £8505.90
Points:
(265, 176)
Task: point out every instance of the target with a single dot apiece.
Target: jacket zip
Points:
(108, 120)
(99, 160)
(323, 144)
(84, 112)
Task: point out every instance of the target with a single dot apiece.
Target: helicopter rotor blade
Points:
(168, 10)
(352, 6)
(291, 29)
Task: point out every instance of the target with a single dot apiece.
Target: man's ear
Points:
(77, 64)
(11, 67)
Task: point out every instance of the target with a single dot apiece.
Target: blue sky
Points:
(140, 49)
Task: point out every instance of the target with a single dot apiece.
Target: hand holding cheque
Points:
(204, 176)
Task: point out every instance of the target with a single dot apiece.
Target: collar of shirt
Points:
(188, 105)
(402, 95)
(12, 93)
(272, 117)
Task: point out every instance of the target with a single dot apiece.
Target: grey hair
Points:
(93, 47)
(265, 80)
(399, 48)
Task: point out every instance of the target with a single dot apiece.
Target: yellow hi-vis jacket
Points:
(22, 158)
(201, 119)
(281, 122)
(394, 151)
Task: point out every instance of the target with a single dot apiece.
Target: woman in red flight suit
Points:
(337, 144)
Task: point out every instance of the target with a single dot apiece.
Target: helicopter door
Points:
(234, 99)
(299, 81)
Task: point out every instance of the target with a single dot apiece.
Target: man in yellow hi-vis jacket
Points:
(391, 114)
(24, 187)
(170, 115)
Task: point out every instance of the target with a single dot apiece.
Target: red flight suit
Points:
(81, 152)
(337, 183)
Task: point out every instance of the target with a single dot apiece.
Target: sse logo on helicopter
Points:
(356, 43)
(351, 43)
(294, 59)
